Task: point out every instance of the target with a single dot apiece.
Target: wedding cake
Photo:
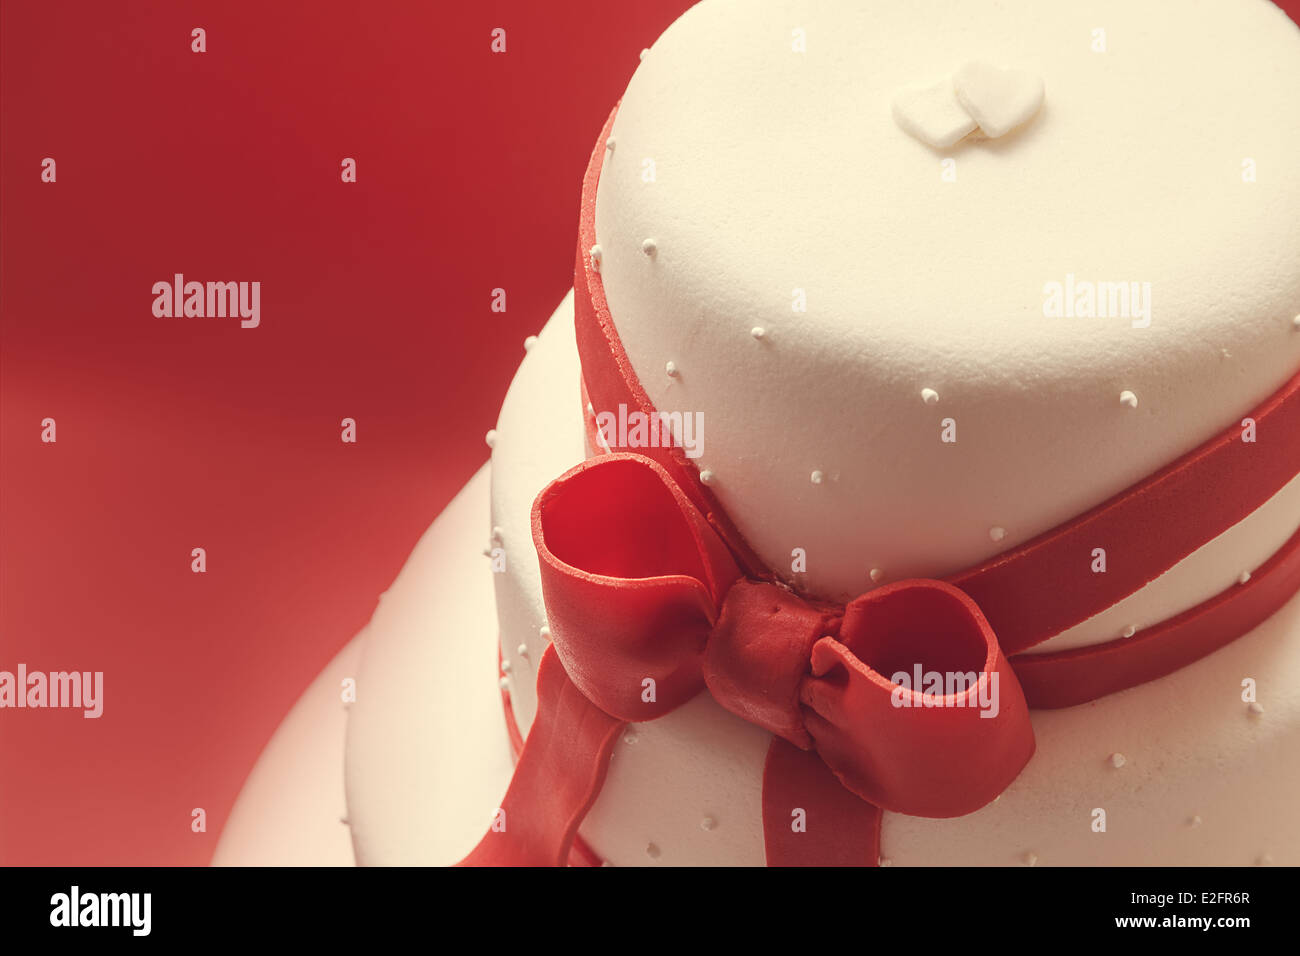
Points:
(912, 476)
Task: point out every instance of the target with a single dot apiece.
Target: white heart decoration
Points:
(932, 114)
(998, 100)
(979, 95)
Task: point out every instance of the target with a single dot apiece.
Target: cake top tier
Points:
(909, 357)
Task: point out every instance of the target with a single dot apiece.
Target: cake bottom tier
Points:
(291, 810)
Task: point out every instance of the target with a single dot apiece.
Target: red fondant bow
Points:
(646, 608)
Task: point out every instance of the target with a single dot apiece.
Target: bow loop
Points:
(914, 707)
(633, 576)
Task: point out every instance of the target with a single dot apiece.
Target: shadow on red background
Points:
(182, 433)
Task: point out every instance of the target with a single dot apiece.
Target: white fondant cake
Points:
(786, 253)
(1192, 748)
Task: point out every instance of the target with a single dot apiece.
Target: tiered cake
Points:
(977, 325)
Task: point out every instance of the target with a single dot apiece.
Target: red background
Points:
(183, 433)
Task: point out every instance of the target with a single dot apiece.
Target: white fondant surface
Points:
(427, 758)
(291, 810)
(775, 170)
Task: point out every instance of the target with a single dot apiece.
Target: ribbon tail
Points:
(557, 779)
(809, 818)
